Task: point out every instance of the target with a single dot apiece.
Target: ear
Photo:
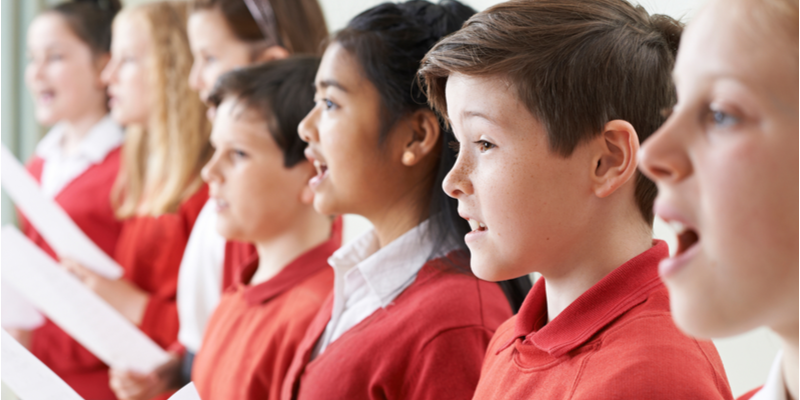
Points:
(424, 136)
(270, 53)
(615, 157)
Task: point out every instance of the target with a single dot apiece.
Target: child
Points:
(258, 178)
(546, 175)
(77, 162)
(158, 192)
(726, 167)
(224, 35)
(406, 319)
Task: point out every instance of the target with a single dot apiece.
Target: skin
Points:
(128, 76)
(130, 89)
(726, 167)
(217, 50)
(260, 201)
(364, 176)
(63, 76)
(572, 219)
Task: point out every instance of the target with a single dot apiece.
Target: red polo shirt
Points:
(427, 344)
(616, 341)
(253, 334)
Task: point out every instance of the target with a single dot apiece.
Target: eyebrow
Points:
(324, 84)
(477, 114)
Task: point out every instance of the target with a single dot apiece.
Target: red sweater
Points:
(616, 341)
(87, 200)
(255, 330)
(428, 344)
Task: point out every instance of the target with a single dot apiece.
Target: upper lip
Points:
(471, 220)
(315, 159)
(672, 216)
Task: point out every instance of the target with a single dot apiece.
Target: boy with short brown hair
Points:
(546, 175)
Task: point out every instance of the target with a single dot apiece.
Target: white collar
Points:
(775, 387)
(385, 269)
(105, 136)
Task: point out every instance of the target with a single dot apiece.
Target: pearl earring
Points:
(408, 158)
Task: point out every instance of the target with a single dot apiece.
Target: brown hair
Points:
(576, 64)
(90, 20)
(301, 23)
(281, 91)
(161, 162)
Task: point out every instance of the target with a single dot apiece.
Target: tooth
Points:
(482, 225)
(677, 226)
(473, 225)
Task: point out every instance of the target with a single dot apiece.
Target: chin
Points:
(698, 318)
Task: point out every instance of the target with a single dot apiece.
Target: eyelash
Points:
(237, 154)
(484, 146)
(329, 105)
(722, 119)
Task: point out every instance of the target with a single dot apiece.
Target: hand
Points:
(124, 296)
(129, 385)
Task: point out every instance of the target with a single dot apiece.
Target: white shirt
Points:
(367, 277)
(60, 169)
(200, 278)
(775, 387)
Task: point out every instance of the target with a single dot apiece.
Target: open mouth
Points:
(687, 236)
(476, 226)
(46, 96)
(320, 166)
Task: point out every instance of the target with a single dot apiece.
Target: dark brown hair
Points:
(301, 23)
(576, 64)
(90, 20)
(281, 91)
(388, 42)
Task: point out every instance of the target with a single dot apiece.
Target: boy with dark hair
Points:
(546, 175)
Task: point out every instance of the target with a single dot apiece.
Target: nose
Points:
(308, 126)
(195, 80)
(663, 157)
(457, 182)
(108, 75)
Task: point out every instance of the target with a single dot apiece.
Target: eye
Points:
(484, 146)
(455, 146)
(54, 57)
(209, 59)
(722, 119)
(329, 105)
(238, 154)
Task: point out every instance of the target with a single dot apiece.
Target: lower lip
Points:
(474, 236)
(315, 181)
(221, 207)
(112, 102)
(670, 266)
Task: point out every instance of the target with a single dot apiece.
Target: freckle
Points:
(547, 239)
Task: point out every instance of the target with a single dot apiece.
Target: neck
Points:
(401, 215)
(75, 129)
(275, 253)
(605, 246)
(790, 370)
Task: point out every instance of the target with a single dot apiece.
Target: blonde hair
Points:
(161, 162)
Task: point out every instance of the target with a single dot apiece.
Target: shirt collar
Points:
(615, 294)
(290, 276)
(105, 136)
(386, 269)
(775, 387)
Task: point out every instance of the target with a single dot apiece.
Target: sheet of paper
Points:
(16, 312)
(28, 377)
(75, 308)
(52, 222)
(188, 392)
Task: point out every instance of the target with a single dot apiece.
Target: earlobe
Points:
(271, 53)
(615, 160)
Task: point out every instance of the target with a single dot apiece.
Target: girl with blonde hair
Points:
(158, 192)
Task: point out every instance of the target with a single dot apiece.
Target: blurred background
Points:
(747, 358)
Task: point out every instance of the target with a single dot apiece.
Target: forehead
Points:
(131, 32)
(339, 66)
(722, 41)
(498, 101)
(209, 25)
(50, 29)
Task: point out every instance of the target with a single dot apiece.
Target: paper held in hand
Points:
(52, 222)
(28, 377)
(74, 307)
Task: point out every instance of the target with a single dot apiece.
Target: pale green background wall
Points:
(747, 358)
